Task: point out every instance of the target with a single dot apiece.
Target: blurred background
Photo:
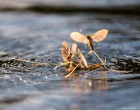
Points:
(114, 6)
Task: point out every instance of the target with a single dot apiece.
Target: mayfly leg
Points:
(71, 71)
(99, 58)
(62, 64)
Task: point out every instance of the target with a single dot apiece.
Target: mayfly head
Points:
(82, 61)
(66, 53)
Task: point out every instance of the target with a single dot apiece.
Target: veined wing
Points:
(78, 37)
(65, 51)
(99, 35)
(74, 48)
(83, 60)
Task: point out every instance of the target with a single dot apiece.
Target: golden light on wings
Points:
(99, 35)
(65, 51)
(74, 48)
(78, 37)
(82, 58)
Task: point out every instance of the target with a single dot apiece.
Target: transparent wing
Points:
(74, 48)
(83, 60)
(78, 37)
(99, 35)
(65, 51)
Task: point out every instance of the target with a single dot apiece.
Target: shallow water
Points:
(34, 37)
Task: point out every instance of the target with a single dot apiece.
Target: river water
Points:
(36, 37)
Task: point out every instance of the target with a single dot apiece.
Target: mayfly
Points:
(96, 37)
(67, 54)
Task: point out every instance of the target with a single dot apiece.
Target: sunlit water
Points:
(38, 37)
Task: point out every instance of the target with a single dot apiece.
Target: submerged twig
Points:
(35, 63)
(71, 72)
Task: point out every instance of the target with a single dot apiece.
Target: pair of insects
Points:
(79, 59)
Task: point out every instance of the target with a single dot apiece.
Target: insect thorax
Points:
(90, 42)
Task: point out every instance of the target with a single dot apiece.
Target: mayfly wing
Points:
(83, 60)
(78, 37)
(65, 51)
(74, 48)
(99, 35)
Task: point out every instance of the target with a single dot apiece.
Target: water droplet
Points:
(80, 30)
(24, 81)
(90, 83)
(128, 25)
(46, 77)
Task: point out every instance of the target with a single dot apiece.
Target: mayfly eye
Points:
(99, 35)
(78, 37)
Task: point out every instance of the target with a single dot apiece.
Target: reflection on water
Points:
(80, 86)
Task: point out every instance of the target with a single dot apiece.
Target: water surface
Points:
(37, 37)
